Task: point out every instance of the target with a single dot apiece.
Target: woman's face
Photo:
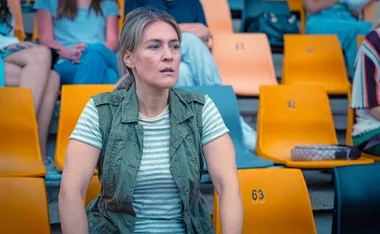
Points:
(157, 57)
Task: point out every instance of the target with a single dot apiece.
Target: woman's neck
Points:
(151, 101)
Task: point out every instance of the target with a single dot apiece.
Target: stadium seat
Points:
(218, 16)
(20, 153)
(360, 39)
(275, 201)
(297, 6)
(244, 61)
(356, 202)
(73, 99)
(23, 205)
(35, 29)
(93, 190)
(236, 5)
(121, 9)
(315, 60)
(15, 6)
(225, 100)
(370, 11)
(296, 115)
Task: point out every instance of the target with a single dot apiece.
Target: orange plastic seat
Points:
(23, 205)
(315, 60)
(244, 61)
(20, 153)
(296, 115)
(275, 201)
(297, 6)
(15, 6)
(121, 9)
(370, 11)
(93, 190)
(218, 16)
(73, 99)
(360, 39)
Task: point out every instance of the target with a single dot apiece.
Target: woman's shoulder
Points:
(190, 96)
(372, 40)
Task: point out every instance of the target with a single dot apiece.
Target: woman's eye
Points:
(175, 47)
(153, 47)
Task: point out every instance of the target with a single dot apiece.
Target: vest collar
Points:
(179, 109)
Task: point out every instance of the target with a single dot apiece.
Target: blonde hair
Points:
(130, 36)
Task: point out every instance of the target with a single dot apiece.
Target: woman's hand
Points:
(198, 29)
(23, 44)
(73, 54)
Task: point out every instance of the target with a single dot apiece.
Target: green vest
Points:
(119, 161)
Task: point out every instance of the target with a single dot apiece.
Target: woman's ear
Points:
(128, 59)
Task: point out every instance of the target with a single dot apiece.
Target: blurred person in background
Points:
(85, 33)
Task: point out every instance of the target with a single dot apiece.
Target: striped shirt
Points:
(366, 84)
(156, 198)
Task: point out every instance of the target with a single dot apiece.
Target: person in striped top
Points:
(150, 41)
(366, 92)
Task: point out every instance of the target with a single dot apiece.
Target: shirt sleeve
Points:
(213, 125)
(87, 128)
(200, 13)
(42, 5)
(366, 84)
(110, 8)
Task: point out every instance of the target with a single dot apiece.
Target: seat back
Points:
(275, 201)
(360, 39)
(93, 190)
(15, 6)
(315, 60)
(370, 11)
(18, 125)
(73, 99)
(218, 16)
(357, 203)
(297, 6)
(23, 205)
(244, 61)
(350, 120)
(226, 102)
(292, 115)
(121, 9)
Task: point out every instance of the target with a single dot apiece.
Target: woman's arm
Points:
(112, 33)
(79, 168)
(315, 6)
(221, 164)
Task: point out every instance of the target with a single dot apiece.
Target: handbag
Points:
(324, 152)
(274, 25)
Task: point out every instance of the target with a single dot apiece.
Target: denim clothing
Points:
(98, 65)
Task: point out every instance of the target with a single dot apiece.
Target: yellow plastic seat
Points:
(93, 190)
(15, 6)
(360, 39)
(275, 201)
(296, 115)
(244, 61)
(297, 6)
(218, 16)
(73, 99)
(315, 60)
(23, 205)
(20, 153)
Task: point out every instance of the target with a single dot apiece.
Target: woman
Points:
(147, 141)
(340, 17)
(366, 96)
(86, 35)
(28, 65)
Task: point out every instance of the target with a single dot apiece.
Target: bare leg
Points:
(45, 113)
(35, 63)
(12, 74)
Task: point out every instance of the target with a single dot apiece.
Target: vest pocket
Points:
(100, 225)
